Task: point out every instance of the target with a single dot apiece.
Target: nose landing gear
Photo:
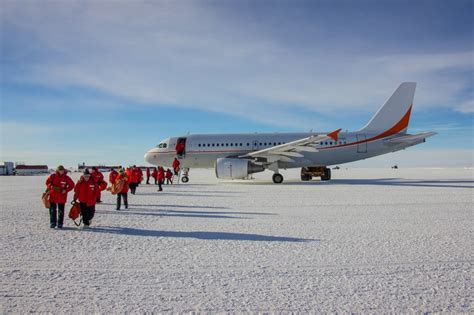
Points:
(185, 177)
(277, 178)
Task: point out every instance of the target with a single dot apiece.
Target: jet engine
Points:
(229, 168)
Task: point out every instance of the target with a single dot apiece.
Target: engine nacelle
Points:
(229, 168)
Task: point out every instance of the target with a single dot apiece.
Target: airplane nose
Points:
(148, 157)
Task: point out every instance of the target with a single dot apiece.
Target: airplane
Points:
(237, 156)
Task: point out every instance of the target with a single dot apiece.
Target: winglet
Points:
(334, 135)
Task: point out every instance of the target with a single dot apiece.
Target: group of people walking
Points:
(88, 189)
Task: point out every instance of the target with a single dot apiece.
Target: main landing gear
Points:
(307, 173)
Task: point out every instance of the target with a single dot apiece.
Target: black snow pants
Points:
(56, 217)
(87, 213)
(119, 199)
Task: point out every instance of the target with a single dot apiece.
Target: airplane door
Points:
(362, 147)
(255, 145)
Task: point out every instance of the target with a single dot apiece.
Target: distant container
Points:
(31, 169)
(6, 168)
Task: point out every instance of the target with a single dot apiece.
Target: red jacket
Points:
(98, 176)
(155, 173)
(179, 148)
(176, 164)
(134, 176)
(112, 176)
(63, 183)
(169, 174)
(86, 191)
(125, 184)
(140, 174)
(161, 174)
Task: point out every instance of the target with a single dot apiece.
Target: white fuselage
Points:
(203, 150)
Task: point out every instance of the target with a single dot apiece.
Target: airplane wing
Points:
(292, 149)
(410, 139)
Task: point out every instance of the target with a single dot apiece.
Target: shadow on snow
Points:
(201, 235)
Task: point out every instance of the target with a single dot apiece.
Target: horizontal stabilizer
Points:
(410, 139)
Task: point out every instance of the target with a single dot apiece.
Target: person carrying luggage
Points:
(59, 184)
(86, 193)
(124, 192)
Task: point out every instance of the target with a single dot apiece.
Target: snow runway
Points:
(371, 240)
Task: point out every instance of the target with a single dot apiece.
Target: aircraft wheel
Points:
(326, 175)
(185, 179)
(277, 178)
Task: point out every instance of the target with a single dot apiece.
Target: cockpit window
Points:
(162, 145)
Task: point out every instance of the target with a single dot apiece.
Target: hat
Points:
(121, 171)
(86, 172)
(60, 168)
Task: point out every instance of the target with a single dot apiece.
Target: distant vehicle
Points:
(235, 156)
(395, 167)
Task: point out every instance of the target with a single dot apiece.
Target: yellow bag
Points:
(117, 186)
(45, 199)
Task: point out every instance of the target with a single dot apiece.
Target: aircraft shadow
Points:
(164, 213)
(204, 194)
(172, 206)
(201, 235)
(395, 182)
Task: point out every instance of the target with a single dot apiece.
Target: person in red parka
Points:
(161, 177)
(112, 176)
(155, 174)
(148, 176)
(123, 193)
(176, 166)
(86, 192)
(169, 177)
(99, 179)
(134, 178)
(59, 184)
(140, 175)
(180, 148)
(129, 173)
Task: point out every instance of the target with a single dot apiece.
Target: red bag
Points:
(45, 199)
(75, 212)
(103, 185)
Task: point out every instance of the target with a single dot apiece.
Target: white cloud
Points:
(190, 55)
(466, 107)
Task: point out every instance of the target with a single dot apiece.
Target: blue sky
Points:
(103, 81)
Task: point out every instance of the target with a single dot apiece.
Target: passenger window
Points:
(217, 144)
(248, 144)
(231, 144)
(208, 144)
(241, 144)
(260, 144)
(226, 144)
(199, 145)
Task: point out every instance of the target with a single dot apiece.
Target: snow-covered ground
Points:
(371, 240)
